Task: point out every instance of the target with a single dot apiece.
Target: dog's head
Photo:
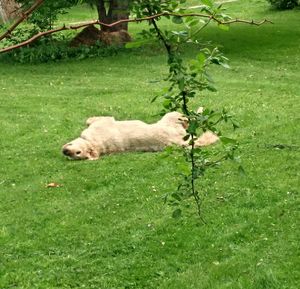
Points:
(80, 149)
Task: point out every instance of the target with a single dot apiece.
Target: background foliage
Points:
(284, 4)
(47, 14)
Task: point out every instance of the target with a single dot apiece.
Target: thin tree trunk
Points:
(116, 10)
(8, 10)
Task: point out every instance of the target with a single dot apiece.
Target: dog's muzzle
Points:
(70, 152)
(67, 152)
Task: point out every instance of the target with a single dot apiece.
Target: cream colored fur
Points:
(105, 135)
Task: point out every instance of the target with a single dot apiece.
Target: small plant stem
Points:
(185, 109)
(199, 30)
(162, 38)
(193, 167)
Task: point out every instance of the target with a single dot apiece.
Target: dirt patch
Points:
(90, 35)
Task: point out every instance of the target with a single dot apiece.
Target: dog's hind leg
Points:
(206, 139)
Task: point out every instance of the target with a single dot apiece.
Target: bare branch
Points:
(136, 20)
(23, 17)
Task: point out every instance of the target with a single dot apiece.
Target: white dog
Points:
(105, 135)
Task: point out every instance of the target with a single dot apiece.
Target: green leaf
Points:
(227, 140)
(241, 171)
(201, 58)
(177, 214)
(211, 87)
(176, 196)
(193, 22)
(189, 18)
(225, 65)
(186, 137)
(165, 198)
(167, 102)
(207, 2)
(235, 124)
(193, 125)
(177, 20)
(154, 98)
(223, 27)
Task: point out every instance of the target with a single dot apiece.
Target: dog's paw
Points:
(90, 120)
(102, 119)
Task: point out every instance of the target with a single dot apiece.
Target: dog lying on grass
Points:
(105, 135)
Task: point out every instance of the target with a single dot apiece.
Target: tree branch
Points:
(22, 18)
(156, 16)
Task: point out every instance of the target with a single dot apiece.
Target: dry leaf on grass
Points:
(53, 185)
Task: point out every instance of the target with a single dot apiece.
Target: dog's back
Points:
(131, 135)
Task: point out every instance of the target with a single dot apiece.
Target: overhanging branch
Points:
(23, 17)
(136, 20)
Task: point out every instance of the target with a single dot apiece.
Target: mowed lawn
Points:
(106, 225)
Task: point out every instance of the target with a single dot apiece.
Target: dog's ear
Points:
(92, 154)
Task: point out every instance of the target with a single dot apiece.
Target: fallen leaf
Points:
(53, 185)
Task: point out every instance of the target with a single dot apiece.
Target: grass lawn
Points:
(106, 226)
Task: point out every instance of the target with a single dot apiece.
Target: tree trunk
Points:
(110, 11)
(8, 10)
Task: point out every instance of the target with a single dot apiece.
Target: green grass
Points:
(106, 225)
